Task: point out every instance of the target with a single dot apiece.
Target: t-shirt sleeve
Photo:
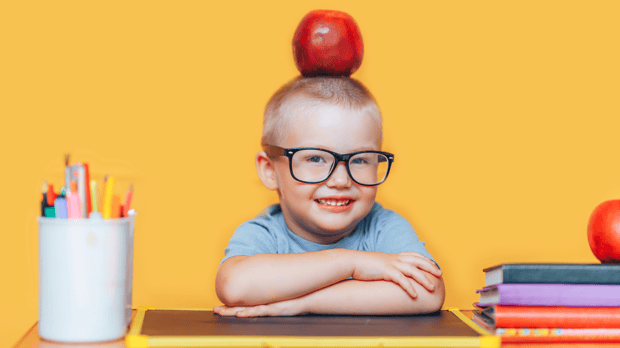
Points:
(250, 238)
(396, 235)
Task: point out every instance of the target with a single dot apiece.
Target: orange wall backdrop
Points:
(504, 118)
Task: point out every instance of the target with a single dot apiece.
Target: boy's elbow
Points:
(226, 289)
(230, 294)
(226, 293)
(435, 300)
(434, 304)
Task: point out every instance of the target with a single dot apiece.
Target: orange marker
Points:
(116, 207)
(51, 196)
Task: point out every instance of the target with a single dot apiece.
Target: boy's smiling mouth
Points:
(335, 204)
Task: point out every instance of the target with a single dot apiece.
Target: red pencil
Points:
(128, 198)
(89, 206)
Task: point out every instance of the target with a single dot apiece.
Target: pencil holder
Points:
(85, 278)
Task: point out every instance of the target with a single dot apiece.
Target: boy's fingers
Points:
(227, 312)
(418, 276)
(405, 283)
(412, 282)
(423, 263)
(414, 254)
(236, 310)
(248, 312)
(219, 309)
(258, 311)
(420, 256)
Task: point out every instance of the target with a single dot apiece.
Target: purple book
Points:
(554, 295)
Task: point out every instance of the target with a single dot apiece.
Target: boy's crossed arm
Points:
(316, 282)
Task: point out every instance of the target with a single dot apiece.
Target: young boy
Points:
(328, 247)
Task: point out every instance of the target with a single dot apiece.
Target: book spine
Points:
(559, 295)
(557, 317)
(518, 274)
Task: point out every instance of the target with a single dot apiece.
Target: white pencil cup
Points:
(85, 278)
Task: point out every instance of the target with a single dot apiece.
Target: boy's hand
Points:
(276, 309)
(403, 269)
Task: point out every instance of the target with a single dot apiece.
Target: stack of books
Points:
(530, 303)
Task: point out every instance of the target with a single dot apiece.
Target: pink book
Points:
(555, 295)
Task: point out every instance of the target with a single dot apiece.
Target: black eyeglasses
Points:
(313, 165)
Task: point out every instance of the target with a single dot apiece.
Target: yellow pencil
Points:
(106, 209)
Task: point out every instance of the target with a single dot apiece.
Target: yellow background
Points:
(503, 116)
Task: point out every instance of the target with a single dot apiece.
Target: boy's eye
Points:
(364, 159)
(359, 160)
(315, 159)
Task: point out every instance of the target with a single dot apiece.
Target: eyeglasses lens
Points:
(315, 166)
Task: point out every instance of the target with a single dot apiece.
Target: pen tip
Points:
(67, 156)
(131, 187)
(44, 186)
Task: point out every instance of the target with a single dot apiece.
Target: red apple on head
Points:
(604, 232)
(327, 43)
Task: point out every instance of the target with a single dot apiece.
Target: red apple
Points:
(604, 232)
(327, 43)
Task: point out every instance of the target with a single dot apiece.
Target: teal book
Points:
(552, 273)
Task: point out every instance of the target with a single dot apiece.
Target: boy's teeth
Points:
(334, 203)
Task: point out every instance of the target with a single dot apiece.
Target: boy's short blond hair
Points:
(314, 92)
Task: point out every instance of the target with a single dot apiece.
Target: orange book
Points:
(552, 317)
(551, 335)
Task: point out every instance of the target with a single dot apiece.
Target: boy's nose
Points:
(340, 177)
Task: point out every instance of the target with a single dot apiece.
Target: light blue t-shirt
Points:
(381, 230)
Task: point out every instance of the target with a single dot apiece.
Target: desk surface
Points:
(31, 340)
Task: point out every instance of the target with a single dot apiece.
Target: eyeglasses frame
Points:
(276, 151)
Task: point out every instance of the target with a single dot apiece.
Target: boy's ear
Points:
(266, 171)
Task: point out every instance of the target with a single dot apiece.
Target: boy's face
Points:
(306, 207)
